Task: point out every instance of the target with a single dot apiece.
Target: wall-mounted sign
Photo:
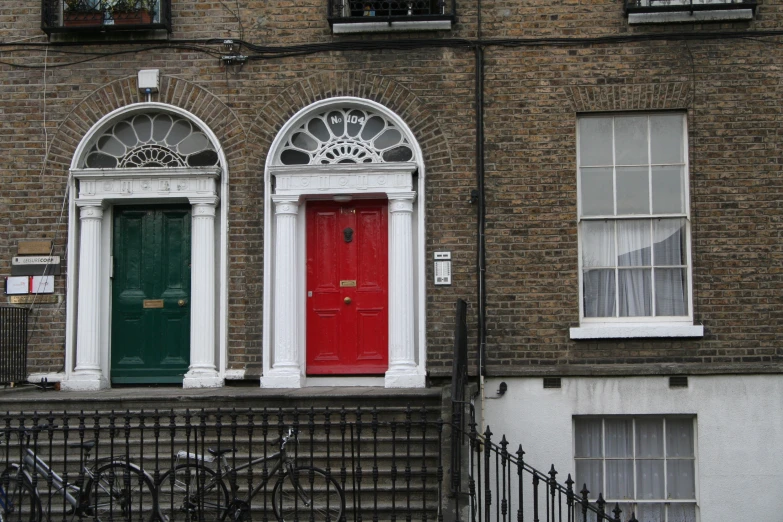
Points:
(35, 260)
(33, 247)
(42, 285)
(17, 285)
(33, 299)
(35, 265)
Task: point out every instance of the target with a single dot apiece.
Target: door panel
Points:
(347, 302)
(150, 341)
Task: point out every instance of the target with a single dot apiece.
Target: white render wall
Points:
(739, 434)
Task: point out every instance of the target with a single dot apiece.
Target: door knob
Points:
(347, 300)
(182, 302)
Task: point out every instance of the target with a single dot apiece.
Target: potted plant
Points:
(125, 12)
(82, 13)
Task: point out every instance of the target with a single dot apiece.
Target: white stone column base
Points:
(404, 378)
(282, 379)
(202, 379)
(85, 382)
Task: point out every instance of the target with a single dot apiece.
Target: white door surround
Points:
(287, 188)
(93, 194)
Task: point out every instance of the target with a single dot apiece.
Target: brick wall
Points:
(729, 88)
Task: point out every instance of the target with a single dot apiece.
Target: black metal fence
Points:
(503, 487)
(13, 344)
(378, 464)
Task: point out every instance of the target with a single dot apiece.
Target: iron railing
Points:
(359, 11)
(386, 460)
(13, 344)
(668, 6)
(105, 15)
(503, 487)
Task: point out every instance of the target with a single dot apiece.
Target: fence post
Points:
(601, 503)
(585, 502)
(535, 496)
(487, 488)
(475, 447)
(503, 463)
(520, 469)
(552, 488)
(617, 511)
(569, 499)
(440, 471)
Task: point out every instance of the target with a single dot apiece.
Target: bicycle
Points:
(193, 491)
(107, 490)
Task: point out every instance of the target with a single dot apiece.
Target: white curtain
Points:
(634, 247)
(598, 259)
(635, 285)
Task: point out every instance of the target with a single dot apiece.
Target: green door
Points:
(150, 325)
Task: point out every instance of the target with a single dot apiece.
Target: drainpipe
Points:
(481, 221)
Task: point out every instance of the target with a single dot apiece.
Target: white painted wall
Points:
(739, 434)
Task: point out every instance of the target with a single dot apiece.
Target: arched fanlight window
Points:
(346, 135)
(151, 140)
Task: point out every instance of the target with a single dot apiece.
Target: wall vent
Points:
(678, 381)
(552, 382)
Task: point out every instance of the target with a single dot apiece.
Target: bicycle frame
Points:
(223, 468)
(31, 460)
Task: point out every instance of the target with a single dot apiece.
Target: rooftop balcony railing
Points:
(382, 15)
(105, 15)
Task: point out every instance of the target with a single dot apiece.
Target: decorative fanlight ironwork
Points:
(346, 135)
(152, 140)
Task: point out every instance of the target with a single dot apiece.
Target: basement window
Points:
(645, 463)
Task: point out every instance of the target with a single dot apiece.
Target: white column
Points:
(403, 371)
(88, 373)
(286, 371)
(202, 372)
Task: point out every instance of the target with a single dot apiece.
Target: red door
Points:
(347, 297)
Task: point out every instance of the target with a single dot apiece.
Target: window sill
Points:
(734, 15)
(636, 330)
(391, 26)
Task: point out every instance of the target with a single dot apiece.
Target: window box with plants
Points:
(133, 12)
(82, 13)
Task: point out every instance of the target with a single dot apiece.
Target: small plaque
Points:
(42, 285)
(30, 299)
(17, 285)
(36, 260)
(347, 282)
(33, 247)
(153, 303)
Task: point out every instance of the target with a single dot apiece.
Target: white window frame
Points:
(610, 502)
(641, 326)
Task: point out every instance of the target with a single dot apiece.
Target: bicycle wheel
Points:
(307, 494)
(191, 492)
(119, 491)
(18, 499)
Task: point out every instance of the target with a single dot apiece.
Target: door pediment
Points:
(146, 183)
(372, 178)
